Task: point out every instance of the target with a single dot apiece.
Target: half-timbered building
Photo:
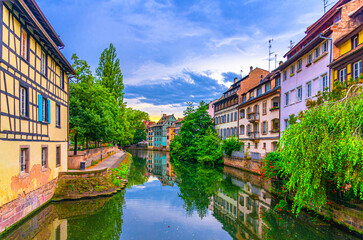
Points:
(33, 110)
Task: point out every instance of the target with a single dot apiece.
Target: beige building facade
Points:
(259, 115)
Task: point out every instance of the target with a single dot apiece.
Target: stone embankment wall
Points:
(250, 165)
(88, 156)
(25, 204)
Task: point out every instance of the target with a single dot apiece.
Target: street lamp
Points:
(101, 149)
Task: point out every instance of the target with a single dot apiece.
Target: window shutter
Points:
(49, 118)
(40, 107)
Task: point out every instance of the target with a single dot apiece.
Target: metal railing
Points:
(254, 135)
(253, 117)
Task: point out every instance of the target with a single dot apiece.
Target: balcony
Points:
(253, 117)
(254, 135)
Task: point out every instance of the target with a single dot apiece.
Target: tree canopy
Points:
(96, 106)
(197, 139)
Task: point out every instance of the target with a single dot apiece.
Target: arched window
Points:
(248, 110)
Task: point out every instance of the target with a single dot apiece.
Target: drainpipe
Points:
(330, 60)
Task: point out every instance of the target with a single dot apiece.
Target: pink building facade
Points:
(211, 108)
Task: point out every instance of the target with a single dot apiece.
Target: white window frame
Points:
(309, 89)
(324, 47)
(325, 83)
(310, 58)
(356, 69)
(57, 115)
(342, 74)
(299, 64)
(317, 52)
(299, 93)
(287, 98)
(23, 101)
(43, 68)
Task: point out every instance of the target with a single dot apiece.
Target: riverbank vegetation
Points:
(97, 111)
(231, 144)
(83, 187)
(321, 155)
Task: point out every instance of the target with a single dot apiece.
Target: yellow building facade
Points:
(34, 110)
(348, 43)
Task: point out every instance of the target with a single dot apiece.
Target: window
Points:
(228, 118)
(268, 87)
(317, 52)
(286, 123)
(235, 116)
(231, 117)
(324, 47)
(292, 69)
(244, 98)
(264, 127)
(285, 75)
(278, 82)
(24, 45)
(57, 115)
(310, 58)
(264, 145)
(24, 112)
(44, 157)
(259, 91)
(325, 83)
(58, 156)
(308, 89)
(242, 129)
(355, 41)
(43, 66)
(252, 94)
(357, 70)
(299, 94)
(249, 129)
(299, 64)
(256, 145)
(264, 108)
(243, 113)
(343, 75)
(45, 110)
(24, 159)
(287, 98)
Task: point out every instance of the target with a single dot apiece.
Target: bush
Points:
(231, 144)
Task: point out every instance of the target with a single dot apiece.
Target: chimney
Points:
(251, 68)
(235, 79)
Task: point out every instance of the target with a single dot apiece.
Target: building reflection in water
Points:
(241, 213)
(158, 165)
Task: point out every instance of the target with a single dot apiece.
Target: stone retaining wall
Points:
(88, 156)
(250, 165)
(82, 174)
(21, 207)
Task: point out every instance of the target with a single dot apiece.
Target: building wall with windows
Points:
(259, 123)
(348, 43)
(34, 110)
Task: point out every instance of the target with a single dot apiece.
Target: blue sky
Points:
(174, 51)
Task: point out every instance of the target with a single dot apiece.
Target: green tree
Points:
(324, 150)
(231, 144)
(109, 72)
(197, 139)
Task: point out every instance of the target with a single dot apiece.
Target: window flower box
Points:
(275, 130)
(274, 108)
(292, 74)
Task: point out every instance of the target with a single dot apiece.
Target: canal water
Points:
(177, 201)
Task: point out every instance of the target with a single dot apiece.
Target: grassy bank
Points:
(107, 183)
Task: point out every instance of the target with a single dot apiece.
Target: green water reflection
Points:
(208, 203)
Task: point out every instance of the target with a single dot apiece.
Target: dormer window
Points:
(355, 41)
(317, 52)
